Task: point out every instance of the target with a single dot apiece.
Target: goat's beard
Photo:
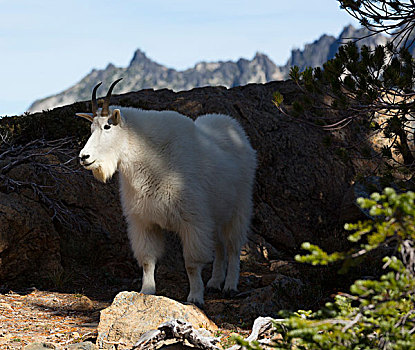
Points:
(104, 172)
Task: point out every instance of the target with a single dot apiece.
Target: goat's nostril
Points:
(85, 156)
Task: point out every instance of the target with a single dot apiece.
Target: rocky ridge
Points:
(324, 48)
(144, 73)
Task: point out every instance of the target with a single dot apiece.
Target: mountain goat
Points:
(191, 177)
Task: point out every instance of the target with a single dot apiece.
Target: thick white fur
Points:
(193, 178)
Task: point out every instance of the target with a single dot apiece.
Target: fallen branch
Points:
(178, 331)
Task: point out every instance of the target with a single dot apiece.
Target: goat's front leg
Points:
(194, 273)
(148, 285)
(147, 243)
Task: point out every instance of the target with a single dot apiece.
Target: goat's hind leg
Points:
(197, 251)
(147, 243)
(235, 236)
(232, 275)
(219, 267)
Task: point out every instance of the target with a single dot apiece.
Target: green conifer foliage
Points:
(376, 313)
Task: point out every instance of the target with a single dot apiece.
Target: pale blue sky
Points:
(48, 45)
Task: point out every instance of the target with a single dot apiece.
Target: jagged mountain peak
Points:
(262, 58)
(349, 32)
(261, 55)
(139, 57)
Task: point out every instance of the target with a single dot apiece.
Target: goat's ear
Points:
(87, 116)
(116, 117)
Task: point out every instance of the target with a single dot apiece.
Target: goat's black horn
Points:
(105, 106)
(94, 99)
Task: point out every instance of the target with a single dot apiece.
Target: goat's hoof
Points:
(230, 293)
(148, 291)
(199, 305)
(195, 303)
(196, 300)
(213, 290)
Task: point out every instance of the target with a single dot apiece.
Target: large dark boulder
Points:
(71, 220)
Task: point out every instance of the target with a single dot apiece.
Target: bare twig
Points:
(37, 155)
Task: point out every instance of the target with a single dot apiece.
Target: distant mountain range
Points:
(143, 73)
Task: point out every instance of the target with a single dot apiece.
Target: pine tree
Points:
(358, 86)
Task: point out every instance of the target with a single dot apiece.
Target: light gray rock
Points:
(82, 346)
(132, 314)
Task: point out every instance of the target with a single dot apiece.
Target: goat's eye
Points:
(106, 126)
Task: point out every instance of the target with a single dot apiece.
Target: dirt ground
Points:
(32, 315)
(70, 314)
(50, 317)
(62, 319)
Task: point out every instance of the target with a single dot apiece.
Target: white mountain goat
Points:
(191, 177)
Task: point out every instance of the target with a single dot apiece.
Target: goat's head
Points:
(101, 153)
